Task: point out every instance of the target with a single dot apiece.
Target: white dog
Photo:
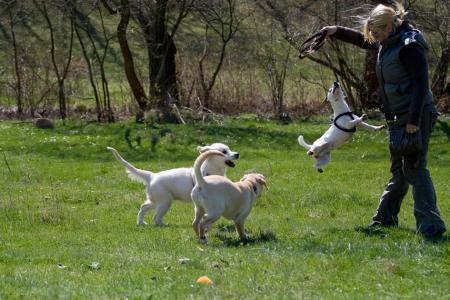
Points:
(215, 196)
(165, 186)
(342, 129)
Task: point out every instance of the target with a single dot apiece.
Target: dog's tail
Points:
(133, 172)
(198, 163)
(302, 142)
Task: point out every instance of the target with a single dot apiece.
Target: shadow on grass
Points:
(438, 240)
(383, 232)
(372, 231)
(444, 126)
(167, 226)
(89, 141)
(227, 236)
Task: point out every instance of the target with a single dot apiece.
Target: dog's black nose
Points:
(335, 86)
(236, 155)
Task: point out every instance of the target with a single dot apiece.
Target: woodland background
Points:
(181, 60)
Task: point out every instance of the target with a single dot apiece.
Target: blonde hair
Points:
(381, 16)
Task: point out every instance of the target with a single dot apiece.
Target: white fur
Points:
(165, 186)
(215, 196)
(334, 137)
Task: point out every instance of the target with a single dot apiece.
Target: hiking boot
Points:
(432, 234)
(375, 224)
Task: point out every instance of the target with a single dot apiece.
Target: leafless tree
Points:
(336, 57)
(133, 80)
(273, 56)
(159, 21)
(208, 40)
(314, 15)
(60, 60)
(434, 17)
(222, 18)
(13, 12)
(97, 64)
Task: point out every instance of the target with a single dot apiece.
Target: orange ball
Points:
(204, 280)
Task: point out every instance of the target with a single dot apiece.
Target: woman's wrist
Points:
(330, 30)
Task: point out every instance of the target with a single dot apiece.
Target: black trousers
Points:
(412, 170)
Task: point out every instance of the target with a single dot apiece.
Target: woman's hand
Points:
(330, 30)
(410, 128)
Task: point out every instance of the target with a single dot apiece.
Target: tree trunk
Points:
(440, 73)
(101, 61)
(91, 76)
(60, 75)
(105, 88)
(132, 78)
(369, 93)
(62, 100)
(16, 66)
(161, 52)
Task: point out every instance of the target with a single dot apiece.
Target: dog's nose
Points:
(335, 86)
(236, 155)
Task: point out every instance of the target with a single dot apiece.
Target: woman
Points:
(402, 72)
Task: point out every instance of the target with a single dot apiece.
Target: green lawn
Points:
(66, 203)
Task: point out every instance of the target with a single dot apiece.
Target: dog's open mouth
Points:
(230, 163)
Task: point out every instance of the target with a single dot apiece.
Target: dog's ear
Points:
(256, 178)
(244, 177)
(261, 180)
(201, 149)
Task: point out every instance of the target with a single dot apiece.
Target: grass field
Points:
(68, 213)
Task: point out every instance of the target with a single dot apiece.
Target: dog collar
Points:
(349, 113)
(255, 189)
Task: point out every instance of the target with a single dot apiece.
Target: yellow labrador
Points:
(165, 186)
(215, 196)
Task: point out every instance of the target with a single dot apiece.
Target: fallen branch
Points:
(177, 111)
(6, 162)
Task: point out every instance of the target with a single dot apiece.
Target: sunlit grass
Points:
(65, 203)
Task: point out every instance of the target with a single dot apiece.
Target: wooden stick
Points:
(6, 162)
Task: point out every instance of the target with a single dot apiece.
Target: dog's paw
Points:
(320, 170)
(359, 120)
(362, 118)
